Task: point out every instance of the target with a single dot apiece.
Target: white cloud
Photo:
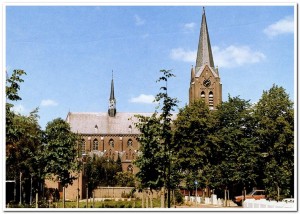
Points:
(143, 98)
(189, 26)
(235, 56)
(19, 109)
(139, 21)
(49, 102)
(183, 55)
(283, 26)
(232, 56)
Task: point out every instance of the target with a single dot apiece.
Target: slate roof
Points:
(85, 122)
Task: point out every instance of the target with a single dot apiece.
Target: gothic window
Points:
(130, 169)
(95, 144)
(110, 153)
(111, 143)
(82, 146)
(211, 100)
(133, 156)
(202, 94)
(129, 152)
(113, 156)
(126, 156)
(129, 142)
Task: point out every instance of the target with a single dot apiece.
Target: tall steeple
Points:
(205, 79)
(204, 53)
(112, 101)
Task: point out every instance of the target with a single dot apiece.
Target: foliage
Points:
(125, 179)
(235, 146)
(150, 165)
(60, 151)
(23, 139)
(100, 171)
(275, 130)
(192, 132)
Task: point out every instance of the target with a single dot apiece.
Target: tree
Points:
(150, 172)
(192, 133)
(275, 131)
(23, 141)
(234, 147)
(125, 179)
(60, 152)
(155, 140)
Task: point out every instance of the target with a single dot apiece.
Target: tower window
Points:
(202, 94)
(211, 100)
(95, 144)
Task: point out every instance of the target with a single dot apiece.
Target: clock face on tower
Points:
(206, 82)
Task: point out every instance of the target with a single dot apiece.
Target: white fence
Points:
(212, 200)
(263, 203)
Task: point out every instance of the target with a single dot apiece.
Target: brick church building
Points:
(112, 134)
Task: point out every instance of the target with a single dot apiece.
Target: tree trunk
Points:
(64, 196)
(37, 199)
(162, 198)
(142, 198)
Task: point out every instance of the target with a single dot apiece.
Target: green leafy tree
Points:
(125, 179)
(193, 129)
(234, 157)
(150, 172)
(155, 140)
(275, 130)
(60, 152)
(23, 140)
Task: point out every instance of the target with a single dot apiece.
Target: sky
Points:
(69, 52)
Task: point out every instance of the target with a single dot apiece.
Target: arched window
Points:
(133, 156)
(129, 142)
(129, 152)
(126, 156)
(82, 146)
(203, 95)
(111, 143)
(130, 169)
(113, 156)
(211, 100)
(95, 144)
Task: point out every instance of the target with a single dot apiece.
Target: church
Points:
(111, 134)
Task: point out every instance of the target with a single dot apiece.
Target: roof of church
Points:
(85, 123)
(204, 53)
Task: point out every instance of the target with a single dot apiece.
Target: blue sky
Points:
(69, 52)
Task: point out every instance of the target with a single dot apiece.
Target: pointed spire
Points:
(204, 53)
(112, 91)
(112, 101)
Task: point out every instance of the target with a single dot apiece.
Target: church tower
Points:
(112, 101)
(205, 80)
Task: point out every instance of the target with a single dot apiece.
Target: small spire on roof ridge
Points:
(203, 10)
(112, 74)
